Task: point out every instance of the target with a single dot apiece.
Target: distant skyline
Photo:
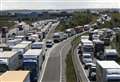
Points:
(55, 4)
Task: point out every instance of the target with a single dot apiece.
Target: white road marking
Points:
(61, 63)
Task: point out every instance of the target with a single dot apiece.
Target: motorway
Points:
(55, 64)
(55, 69)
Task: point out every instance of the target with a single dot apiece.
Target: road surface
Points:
(55, 69)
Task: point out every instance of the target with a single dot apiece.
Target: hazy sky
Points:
(58, 4)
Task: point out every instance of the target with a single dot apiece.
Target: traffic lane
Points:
(86, 71)
(80, 67)
(51, 31)
(63, 53)
(52, 71)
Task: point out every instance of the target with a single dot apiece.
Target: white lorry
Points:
(87, 46)
(109, 54)
(10, 60)
(21, 47)
(84, 37)
(32, 60)
(70, 32)
(107, 71)
(13, 42)
(58, 36)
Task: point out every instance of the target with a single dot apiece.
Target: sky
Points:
(57, 4)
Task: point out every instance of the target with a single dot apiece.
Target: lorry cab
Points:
(58, 36)
(70, 32)
(113, 75)
(98, 46)
(110, 54)
(87, 46)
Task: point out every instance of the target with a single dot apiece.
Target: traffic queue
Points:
(98, 57)
(23, 55)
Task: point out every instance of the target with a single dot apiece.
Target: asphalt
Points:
(55, 69)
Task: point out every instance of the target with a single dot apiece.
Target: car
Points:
(86, 58)
(92, 73)
(49, 43)
(87, 63)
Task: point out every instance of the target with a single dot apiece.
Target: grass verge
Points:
(70, 70)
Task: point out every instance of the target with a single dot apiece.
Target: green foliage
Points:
(115, 21)
(70, 71)
(6, 21)
(78, 18)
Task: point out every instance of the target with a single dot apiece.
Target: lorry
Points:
(13, 42)
(87, 46)
(107, 71)
(39, 45)
(21, 48)
(109, 54)
(79, 29)
(20, 37)
(87, 27)
(34, 37)
(15, 76)
(32, 61)
(27, 42)
(70, 32)
(10, 60)
(98, 46)
(84, 37)
(58, 36)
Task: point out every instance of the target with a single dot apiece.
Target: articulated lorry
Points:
(22, 47)
(32, 61)
(10, 60)
(107, 71)
(87, 46)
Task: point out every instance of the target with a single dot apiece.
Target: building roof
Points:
(108, 64)
(7, 54)
(14, 76)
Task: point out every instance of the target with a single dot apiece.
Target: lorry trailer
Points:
(32, 61)
(15, 76)
(9, 60)
(107, 71)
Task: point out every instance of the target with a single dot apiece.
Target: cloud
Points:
(58, 4)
